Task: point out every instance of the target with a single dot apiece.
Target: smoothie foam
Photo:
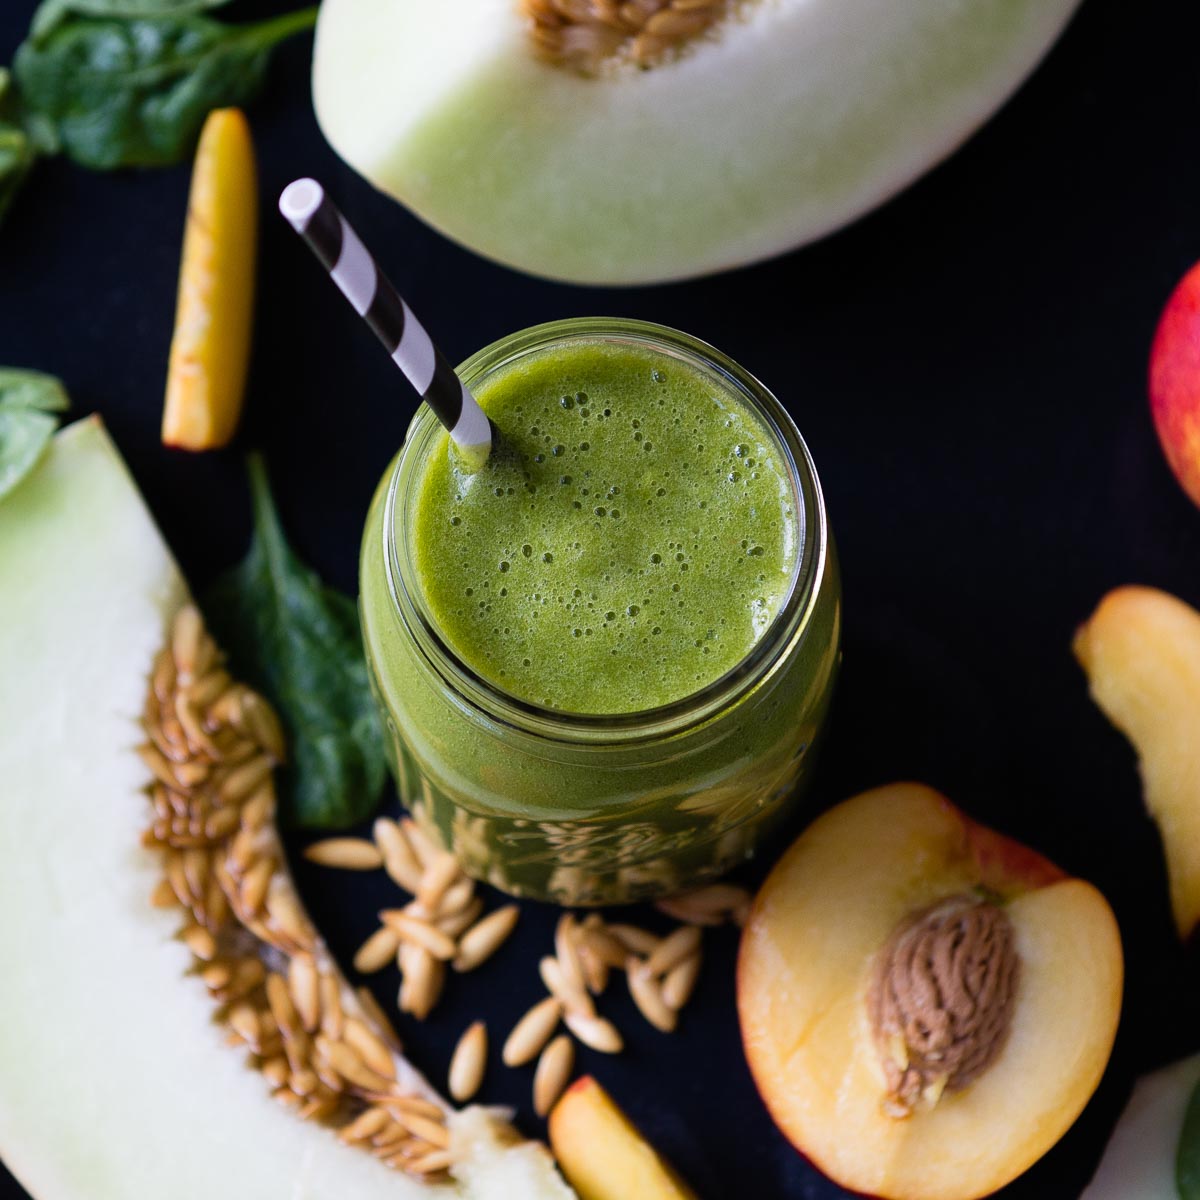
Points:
(630, 543)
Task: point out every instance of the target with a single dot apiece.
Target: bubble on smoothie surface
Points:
(639, 563)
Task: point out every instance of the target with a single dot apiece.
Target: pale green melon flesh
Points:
(114, 1082)
(790, 122)
(1139, 1163)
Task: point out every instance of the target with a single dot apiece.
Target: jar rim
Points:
(786, 629)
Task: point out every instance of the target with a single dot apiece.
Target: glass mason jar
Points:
(583, 809)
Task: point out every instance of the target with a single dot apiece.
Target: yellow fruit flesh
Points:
(210, 350)
(1141, 652)
(804, 972)
(601, 1153)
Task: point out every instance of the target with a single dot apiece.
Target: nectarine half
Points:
(926, 1005)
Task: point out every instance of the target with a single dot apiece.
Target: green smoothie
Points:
(605, 659)
(628, 544)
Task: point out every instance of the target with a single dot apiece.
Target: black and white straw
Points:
(317, 220)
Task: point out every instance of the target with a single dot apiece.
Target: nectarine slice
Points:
(210, 349)
(1141, 652)
(827, 933)
(601, 1153)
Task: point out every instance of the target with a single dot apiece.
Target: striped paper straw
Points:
(317, 220)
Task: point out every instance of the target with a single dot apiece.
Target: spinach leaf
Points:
(299, 642)
(16, 157)
(17, 150)
(134, 91)
(51, 13)
(27, 400)
(32, 389)
(1187, 1157)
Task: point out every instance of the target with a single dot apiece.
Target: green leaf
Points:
(16, 157)
(17, 150)
(134, 91)
(1187, 1157)
(299, 642)
(32, 389)
(50, 13)
(27, 400)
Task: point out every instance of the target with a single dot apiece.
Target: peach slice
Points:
(601, 1153)
(826, 940)
(210, 349)
(1141, 652)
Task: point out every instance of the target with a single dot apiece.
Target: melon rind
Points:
(797, 117)
(114, 1080)
(1140, 1158)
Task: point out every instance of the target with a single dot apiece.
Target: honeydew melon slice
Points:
(114, 1082)
(1140, 1159)
(783, 123)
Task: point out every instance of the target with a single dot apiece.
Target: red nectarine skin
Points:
(1175, 382)
(1006, 867)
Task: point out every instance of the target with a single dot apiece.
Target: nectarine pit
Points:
(941, 999)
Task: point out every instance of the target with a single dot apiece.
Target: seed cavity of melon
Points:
(594, 36)
(326, 1052)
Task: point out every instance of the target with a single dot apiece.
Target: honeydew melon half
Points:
(785, 121)
(114, 1082)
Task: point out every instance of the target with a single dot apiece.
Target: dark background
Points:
(968, 367)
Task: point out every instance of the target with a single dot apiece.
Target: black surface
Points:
(967, 366)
